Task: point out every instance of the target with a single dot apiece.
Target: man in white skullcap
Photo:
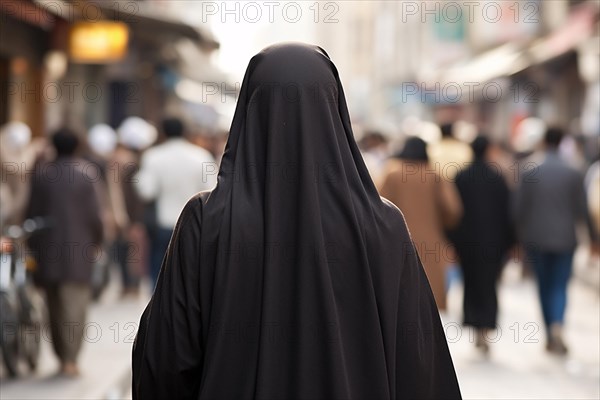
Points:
(129, 209)
(18, 156)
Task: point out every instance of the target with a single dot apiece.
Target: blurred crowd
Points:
(111, 198)
(471, 207)
(109, 201)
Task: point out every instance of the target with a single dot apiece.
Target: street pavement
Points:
(517, 367)
(104, 360)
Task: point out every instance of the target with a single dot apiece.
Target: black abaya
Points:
(292, 279)
(482, 240)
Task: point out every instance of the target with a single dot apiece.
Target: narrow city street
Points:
(517, 367)
(302, 125)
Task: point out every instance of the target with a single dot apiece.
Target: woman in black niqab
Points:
(293, 278)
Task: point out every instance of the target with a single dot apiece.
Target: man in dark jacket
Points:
(550, 201)
(65, 196)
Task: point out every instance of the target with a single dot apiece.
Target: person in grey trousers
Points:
(65, 195)
(550, 201)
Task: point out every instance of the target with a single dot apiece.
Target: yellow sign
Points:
(98, 42)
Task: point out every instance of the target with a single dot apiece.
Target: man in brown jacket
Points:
(64, 194)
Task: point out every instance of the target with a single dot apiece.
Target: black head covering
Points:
(292, 279)
(554, 136)
(65, 142)
(480, 145)
(415, 149)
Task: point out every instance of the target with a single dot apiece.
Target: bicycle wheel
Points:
(31, 325)
(9, 335)
(31, 346)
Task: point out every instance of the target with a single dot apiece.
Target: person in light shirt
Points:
(170, 174)
(449, 155)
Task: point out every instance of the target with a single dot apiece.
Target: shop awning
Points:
(154, 28)
(578, 27)
(194, 63)
(505, 60)
(511, 58)
(143, 25)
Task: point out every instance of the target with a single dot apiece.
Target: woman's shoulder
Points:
(390, 207)
(392, 213)
(195, 204)
(190, 218)
(200, 198)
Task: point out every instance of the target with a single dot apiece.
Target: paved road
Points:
(517, 368)
(104, 360)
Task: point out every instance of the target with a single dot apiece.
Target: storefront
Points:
(24, 30)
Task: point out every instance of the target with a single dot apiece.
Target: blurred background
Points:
(112, 71)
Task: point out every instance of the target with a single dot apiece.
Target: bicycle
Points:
(21, 306)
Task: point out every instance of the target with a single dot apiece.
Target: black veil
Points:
(292, 279)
